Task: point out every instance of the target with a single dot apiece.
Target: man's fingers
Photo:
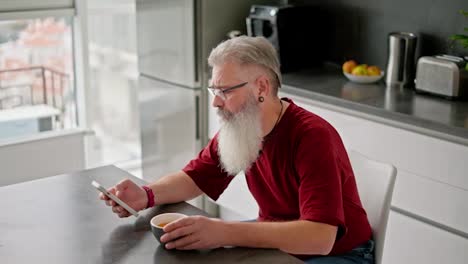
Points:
(195, 245)
(117, 191)
(183, 242)
(185, 221)
(123, 214)
(111, 190)
(110, 203)
(114, 192)
(177, 233)
(118, 209)
(103, 197)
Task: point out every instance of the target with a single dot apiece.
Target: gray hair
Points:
(251, 51)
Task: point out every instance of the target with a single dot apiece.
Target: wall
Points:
(41, 155)
(361, 26)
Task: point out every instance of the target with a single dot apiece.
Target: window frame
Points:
(77, 14)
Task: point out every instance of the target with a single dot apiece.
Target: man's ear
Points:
(264, 86)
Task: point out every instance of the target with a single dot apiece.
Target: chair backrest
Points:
(375, 181)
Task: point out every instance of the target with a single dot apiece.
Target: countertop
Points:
(399, 107)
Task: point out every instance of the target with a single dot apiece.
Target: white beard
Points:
(240, 137)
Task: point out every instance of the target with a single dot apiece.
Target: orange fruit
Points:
(348, 66)
(373, 71)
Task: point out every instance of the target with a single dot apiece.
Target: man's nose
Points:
(217, 101)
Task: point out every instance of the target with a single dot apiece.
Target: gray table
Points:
(60, 220)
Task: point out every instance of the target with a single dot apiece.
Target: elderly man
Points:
(295, 165)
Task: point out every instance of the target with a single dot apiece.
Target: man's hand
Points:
(194, 232)
(130, 193)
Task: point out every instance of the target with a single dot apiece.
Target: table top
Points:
(61, 220)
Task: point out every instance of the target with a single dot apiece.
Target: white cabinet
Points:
(439, 202)
(411, 241)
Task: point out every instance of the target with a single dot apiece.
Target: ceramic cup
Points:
(159, 221)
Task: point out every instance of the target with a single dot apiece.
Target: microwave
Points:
(297, 33)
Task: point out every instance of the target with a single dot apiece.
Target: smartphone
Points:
(114, 198)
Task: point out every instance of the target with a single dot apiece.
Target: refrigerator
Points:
(174, 40)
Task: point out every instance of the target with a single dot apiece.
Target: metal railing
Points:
(50, 81)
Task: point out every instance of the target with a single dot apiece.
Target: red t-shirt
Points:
(303, 172)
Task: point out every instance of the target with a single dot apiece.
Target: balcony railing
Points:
(32, 85)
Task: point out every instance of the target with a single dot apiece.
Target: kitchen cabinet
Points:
(439, 202)
(411, 241)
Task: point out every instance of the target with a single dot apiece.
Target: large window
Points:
(68, 63)
(113, 72)
(37, 90)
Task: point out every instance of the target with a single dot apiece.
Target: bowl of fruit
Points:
(361, 73)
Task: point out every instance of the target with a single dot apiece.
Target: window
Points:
(49, 80)
(37, 90)
(113, 73)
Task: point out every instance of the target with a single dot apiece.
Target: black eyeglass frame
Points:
(221, 92)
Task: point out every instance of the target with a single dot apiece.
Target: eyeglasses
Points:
(221, 93)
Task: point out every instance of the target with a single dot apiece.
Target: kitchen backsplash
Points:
(361, 27)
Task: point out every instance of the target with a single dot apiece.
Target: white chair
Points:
(375, 181)
(236, 202)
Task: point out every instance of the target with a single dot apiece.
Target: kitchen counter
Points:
(403, 108)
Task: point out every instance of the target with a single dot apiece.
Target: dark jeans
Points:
(363, 254)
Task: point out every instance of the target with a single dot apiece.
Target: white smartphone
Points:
(114, 198)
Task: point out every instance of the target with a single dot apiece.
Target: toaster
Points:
(442, 75)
